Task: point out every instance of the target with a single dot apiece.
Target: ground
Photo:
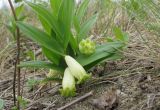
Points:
(139, 88)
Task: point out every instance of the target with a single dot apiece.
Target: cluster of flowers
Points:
(73, 74)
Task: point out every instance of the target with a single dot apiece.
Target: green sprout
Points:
(1, 104)
(31, 83)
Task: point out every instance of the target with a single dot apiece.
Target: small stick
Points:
(3, 93)
(17, 62)
(23, 83)
(38, 91)
(51, 105)
(29, 106)
(58, 86)
(77, 100)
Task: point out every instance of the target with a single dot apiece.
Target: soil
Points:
(138, 85)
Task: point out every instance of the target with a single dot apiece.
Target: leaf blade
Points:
(85, 28)
(55, 5)
(40, 37)
(67, 7)
(47, 17)
(102, 51)
(39, 64)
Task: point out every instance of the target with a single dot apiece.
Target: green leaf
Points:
(10, 26)
(89, 66)
(81, 10)
(74, 44)
(76, 24)
(135, 5)
(17, 1)
(53, 57)
(55, 5)
(51, 79)
(80, 14)
(85, 28)
(19, 10)
(45, 25)
(65, 18)
(22, 18)
(112, 56)
(117, 55)
(30, 54)
(32, 82)
(47, 17)
(22, 102)
(109, 39)
(120, 35)
(1, 104)
(41, 37)
(102, 52)
(40, 64)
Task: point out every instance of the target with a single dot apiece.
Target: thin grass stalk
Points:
(17, 69)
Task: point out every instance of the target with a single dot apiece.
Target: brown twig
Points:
(17, 69)
(77, 100)
(23, 83)
(29, 106)
(56, 88)
(38, 91)
(51, 105)
(14, 83)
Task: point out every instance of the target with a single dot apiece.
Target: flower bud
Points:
(77, 70)
(87, 47)
(68, 84)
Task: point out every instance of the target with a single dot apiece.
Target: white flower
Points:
(68, 84)
(76, 69)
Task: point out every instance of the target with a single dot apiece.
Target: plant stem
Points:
(17, 69)
(14, 84)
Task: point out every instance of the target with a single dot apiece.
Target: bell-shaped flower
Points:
(87, 47)
(77, 70)
(68, 84)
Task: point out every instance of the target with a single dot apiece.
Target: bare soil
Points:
(138, 85)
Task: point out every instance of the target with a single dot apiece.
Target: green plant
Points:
(11, 25)
(1, 104)
(22, 102)
(119, 36)
(31, 83)
(142, 10)
(16, 1)
(64, 29)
